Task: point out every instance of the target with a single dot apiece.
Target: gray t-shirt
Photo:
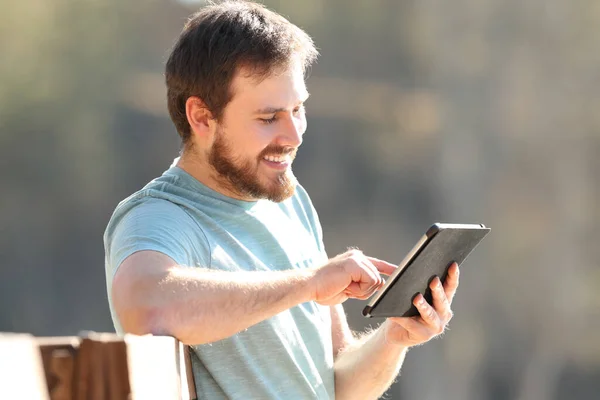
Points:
(288, 356)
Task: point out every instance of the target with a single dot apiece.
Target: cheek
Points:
(256, 138)
(265, 134)
(250, 136)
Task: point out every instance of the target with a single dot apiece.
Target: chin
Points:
(280, 192)
(280, 195)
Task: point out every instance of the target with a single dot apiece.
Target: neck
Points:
(200, 169)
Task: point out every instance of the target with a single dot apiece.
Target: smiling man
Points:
(224, 251)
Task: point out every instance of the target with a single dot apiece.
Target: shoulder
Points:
(162, 200)
(145, 210)
(144, 222)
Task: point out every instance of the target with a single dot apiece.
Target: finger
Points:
(451, 282)
(373, 273)
(383, 266)
(363, 274)
(373, 277)
(362, 294)
(355, 291)
(363, 297)
(440, 301)
(428, 313)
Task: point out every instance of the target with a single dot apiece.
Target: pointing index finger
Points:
(383, 266)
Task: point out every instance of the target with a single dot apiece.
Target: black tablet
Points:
(439, 247)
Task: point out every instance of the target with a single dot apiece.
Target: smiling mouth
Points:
(282, 159)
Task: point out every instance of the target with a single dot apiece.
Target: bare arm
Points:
(365, 368)
(152, 294)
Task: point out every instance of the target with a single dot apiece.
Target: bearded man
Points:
(224, 251)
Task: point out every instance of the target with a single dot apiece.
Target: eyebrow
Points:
(275, 110)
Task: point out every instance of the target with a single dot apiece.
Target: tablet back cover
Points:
(446, 246)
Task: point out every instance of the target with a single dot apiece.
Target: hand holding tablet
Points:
(438, 248)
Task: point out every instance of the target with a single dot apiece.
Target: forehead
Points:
(282, 87)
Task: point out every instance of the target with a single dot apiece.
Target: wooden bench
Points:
(95, 366)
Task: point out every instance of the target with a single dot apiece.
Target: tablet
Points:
(437, 249)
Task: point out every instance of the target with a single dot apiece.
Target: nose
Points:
(292, 131)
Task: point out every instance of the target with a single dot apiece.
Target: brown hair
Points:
(218, 40)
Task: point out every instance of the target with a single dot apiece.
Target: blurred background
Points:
(469, 111)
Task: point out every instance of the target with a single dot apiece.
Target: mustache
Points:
(275, 150)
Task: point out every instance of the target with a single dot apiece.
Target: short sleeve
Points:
(157, 225)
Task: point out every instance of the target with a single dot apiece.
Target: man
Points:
(224, 251)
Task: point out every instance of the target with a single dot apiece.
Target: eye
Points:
(298, 110)
(268, 120)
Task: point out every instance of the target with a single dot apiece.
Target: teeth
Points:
(276, 159)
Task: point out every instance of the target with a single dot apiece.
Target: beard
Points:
(242, 176)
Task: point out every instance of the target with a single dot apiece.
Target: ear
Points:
(199, 116)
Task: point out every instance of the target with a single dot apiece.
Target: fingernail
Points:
(435, 283)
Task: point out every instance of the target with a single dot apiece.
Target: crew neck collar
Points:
(198, 186)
